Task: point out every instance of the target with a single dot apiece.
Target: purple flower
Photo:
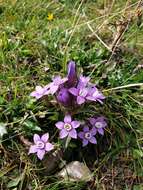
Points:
(80, 92)
(68, 127)
(54, 86)
(41, 145)
(64, 97)
(87, 136)
(94, 94)
(99, 123)
(72, 74)
(39, 92)
(83, 81)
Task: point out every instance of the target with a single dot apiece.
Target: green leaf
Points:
(138, 187)
(14, 182)
(137, 153)
(31, 126)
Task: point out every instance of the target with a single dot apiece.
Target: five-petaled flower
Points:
(99, 123)
(84, 81)
(94, 94)
(80, 92)
(87, 135)
(64, 96)
(39, 92)
(86, 91)
(41, 145)
(55, 84)
(68, 127)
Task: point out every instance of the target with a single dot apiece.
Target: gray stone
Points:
(76, 171)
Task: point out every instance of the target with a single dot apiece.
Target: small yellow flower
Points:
(50, 16)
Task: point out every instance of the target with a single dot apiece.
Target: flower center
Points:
(98, 125)
(82, 92)
(67, 126)
(87, 135)
(40, 145)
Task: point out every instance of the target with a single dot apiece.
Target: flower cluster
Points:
(90, 129)
(70, 92)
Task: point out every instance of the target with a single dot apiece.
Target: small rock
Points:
(76, 171)
(2, 129)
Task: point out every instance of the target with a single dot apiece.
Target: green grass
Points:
(29, 42)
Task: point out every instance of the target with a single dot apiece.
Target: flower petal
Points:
(102, 120)
(83, 81)
(92, 121)
(93, 140)
(75, 124)
(64, 97)
(74, 91)
(93, 131)
(73, 134)
(53, 89)
(45, 137)
(80, 100)
(81, 135)
(64, 80)
(63, 133)
(36, 95)
(86, 129)
(47, 92)
(100, 131)
(83, 92)
(84, 142)
(100, 101)
(67, 119)
(60, 125)
(33, 149)
(72, 74)
(47, 87)
(49, 147)
(39, 89)
(104, 124)
(40, 153)
(56, 80)
(33, 94)
(91, 98)
(36, 138)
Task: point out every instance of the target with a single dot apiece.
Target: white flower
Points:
(2, 129)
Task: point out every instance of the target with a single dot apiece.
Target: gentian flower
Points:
(72, 74)
(39, 92)
(80, 92)
(68, 127)
(64, 97)
(94, 94)
(99, 123)
(54, 86)
(83, 81)
(87, 136)
(41, 145)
